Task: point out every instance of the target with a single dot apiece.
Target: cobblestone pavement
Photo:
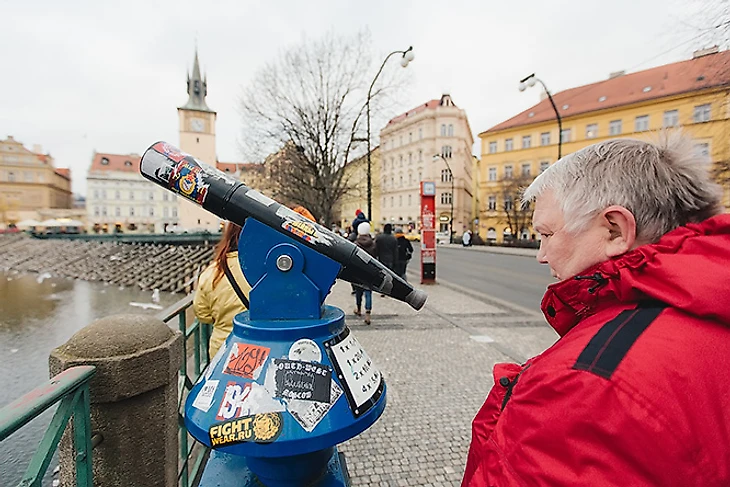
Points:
(437, 366)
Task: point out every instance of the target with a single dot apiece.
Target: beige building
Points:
(355, 180)
(29, 182)
(197, 137)
(427, 144)
(120, 200)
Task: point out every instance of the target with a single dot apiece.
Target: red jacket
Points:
(636, 392)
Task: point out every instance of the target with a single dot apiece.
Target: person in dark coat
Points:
(365, 242)
(387, 247)
(359, 218)
(405, 251)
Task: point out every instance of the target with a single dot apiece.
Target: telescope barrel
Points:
(232, 200)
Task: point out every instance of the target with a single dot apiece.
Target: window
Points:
(391, 202)
(641, 124)
(565, 135)
(508, 144)
(164, 195)
(443, 130)
(445, 198)
(507, 172)
(420, 133)
(96, 194)
(492, 173)
(400, 158)
(131, 195)
(103, 211)
(117, 211)
(420, 155)
(671, 118)
(446, 151)
(409, 200)
(152, 211)
(508, 203)
(591, 131)
(400, 181)
(526, 170)
(104, 161)
(166, 212)
(451, 130)
(116, 196)
(492, 147)
(400, 200)
(492, 204)
(445, 176)
(410, 158)
(544, 165)
(131, 211)
(96, 211)
(410, 137)
(152, 195)
(174, 212)
(103, 194)
(702, 113)
(702, 149)
(545, 138)
(526, 141)
(28, 176)
(615, 127)
(128, 163)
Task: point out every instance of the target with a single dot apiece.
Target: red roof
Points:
(704, 72)
(64, 172)
(418, 109)
(115, 162)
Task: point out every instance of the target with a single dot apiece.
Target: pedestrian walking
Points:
(466, 238)
(359, 218)
(405, 251)
(365, 242)
(635, 392)
(387, 247)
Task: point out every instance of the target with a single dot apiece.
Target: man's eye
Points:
(546, 235)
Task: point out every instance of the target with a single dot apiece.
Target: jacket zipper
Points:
(510, 384)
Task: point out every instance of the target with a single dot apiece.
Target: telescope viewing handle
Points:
(232, 200)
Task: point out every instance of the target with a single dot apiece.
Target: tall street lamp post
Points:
(407, 57)
(436, 157)
(529, 82)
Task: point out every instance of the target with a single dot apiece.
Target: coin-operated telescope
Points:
(291, 381)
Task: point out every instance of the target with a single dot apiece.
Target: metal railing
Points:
(70, 389)
(192, 453)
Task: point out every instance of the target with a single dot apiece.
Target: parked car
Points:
(413, 237)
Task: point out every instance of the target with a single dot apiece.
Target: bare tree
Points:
(516, 215)
(308, 107)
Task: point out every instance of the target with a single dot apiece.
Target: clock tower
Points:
(197, 137)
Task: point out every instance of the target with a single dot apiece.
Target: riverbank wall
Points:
(168, 266)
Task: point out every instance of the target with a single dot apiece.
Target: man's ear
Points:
(621, 227)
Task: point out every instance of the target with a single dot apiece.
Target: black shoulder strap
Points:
(235, 285)
(609, 346)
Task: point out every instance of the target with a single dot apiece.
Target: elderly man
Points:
(636, 392)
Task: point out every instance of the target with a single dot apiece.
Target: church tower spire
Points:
(197, 89)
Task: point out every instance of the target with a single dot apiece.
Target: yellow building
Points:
(693, 94)
(355, 180)
(29, 182)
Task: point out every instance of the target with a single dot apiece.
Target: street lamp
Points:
(436, 157)
(407, 57)
(529, 82)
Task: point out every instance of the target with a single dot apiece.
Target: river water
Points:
(36, 316)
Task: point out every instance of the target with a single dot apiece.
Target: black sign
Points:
(307, 381)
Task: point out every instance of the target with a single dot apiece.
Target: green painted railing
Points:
(192, 453)
(70, 389)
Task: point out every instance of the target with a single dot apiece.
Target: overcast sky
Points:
(84, 76)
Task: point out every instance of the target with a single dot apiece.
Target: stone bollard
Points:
(134, 400)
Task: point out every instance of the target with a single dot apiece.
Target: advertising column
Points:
(428, 232)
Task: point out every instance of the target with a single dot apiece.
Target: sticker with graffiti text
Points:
(308, 414)
(204, 399)
(259, 428)
(306, 381)
(306, 350)
(246, 360)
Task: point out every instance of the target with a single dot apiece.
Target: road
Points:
(517, 279)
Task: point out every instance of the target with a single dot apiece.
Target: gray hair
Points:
(664, 183)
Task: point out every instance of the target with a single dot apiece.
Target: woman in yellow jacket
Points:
(216, 301)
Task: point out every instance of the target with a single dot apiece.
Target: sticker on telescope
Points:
(263, 199)
(305, 350)
(309, 414)
(245, 360)
(169, 151)
(316, 232)
(187, 180)
(259, 428)
(306, 381)
(204, 399)
(362, 381)
(232, 405)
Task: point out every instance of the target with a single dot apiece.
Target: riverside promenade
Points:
(437, 364)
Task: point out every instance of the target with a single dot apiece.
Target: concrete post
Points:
(134, 399)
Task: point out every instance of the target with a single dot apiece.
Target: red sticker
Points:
(245, 360)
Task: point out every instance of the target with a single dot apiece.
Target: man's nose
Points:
(542, 255)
